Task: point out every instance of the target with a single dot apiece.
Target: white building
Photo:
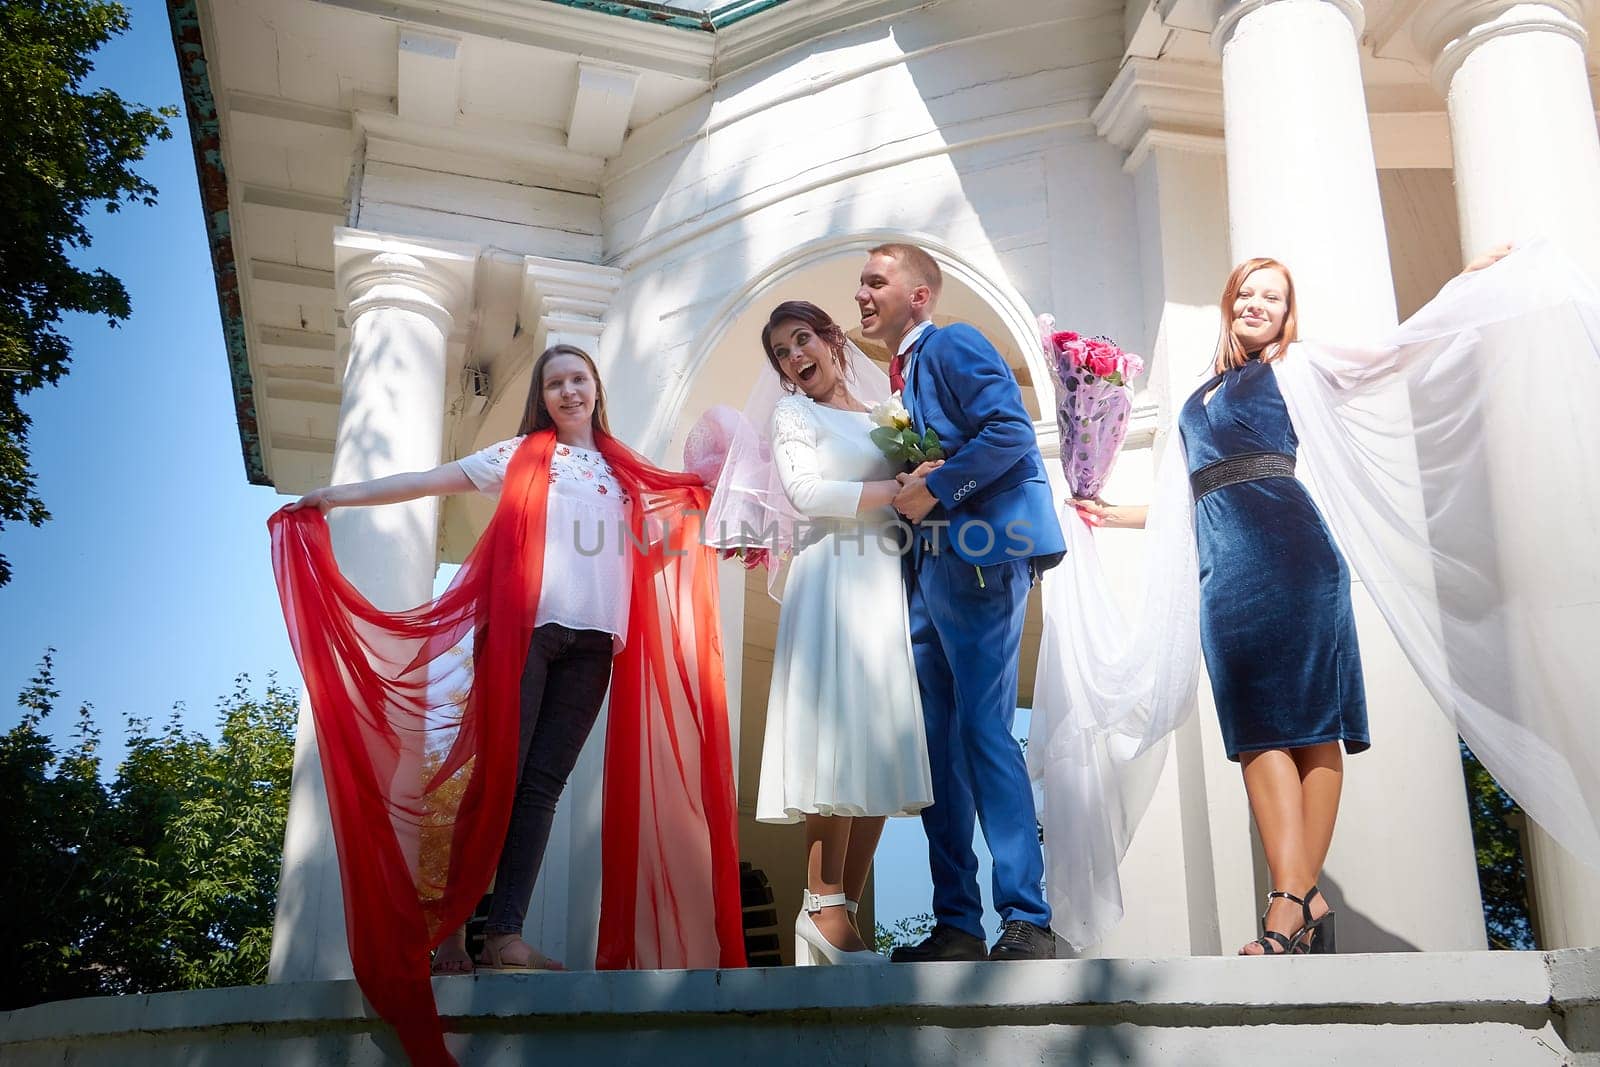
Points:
(410, 199)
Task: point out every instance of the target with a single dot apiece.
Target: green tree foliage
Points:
(63, 150)
(906, 931)
(1502, 873)
(163, 878)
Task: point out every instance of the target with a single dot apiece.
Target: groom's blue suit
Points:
(967, 586)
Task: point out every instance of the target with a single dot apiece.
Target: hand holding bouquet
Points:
(1093, 402)
(893, 435)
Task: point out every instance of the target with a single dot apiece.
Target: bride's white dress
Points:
(844, 719)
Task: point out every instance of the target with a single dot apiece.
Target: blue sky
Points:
(153, 581)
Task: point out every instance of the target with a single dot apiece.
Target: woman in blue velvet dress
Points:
(1276, 622)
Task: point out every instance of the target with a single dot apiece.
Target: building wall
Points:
(963, 124)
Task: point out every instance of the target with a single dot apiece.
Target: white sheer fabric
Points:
(584, 532)
(1456, 468)
(750, 508)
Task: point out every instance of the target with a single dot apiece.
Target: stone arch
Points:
(1002, 314)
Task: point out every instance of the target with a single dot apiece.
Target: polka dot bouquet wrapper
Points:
(1093, 402)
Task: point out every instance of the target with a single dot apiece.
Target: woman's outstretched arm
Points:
(1112, 516)
(442, 480)
(1489, 258)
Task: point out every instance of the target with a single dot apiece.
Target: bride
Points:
(844, 743)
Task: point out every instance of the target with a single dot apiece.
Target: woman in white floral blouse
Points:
(582, 620)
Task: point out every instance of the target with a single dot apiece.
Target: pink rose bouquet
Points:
(1093, 402)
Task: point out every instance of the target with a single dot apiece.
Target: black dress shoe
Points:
(943, 943)
(1022, 940)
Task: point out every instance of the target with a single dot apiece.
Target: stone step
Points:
(1415, 1008)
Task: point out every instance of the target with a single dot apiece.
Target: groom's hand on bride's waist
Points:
(914, 500)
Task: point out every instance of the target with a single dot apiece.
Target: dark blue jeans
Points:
(564, 682)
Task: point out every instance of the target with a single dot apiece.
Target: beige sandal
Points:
(492, 958)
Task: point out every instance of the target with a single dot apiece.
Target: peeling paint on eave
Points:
(641, 11)
(728, 14)
(206, 135)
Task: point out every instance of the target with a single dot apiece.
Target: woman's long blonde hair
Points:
(1230, 353)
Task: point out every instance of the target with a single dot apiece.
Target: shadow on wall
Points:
(1356, 931)
(1052, 200)
(834, 146)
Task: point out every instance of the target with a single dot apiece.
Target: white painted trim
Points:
(1004, 300)
(309, 278)
(1448, 31)
(429, 277)
(1232, 12)
(1168, 96)
(292, 200)
(594, 35)
(276, 107)
(563, 297)
(598, 122)
(513, 145)
(1182, 140)
(428, 80)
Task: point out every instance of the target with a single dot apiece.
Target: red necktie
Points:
(897, 373)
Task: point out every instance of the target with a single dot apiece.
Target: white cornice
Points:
(1161, 102)
(628, 42)
(1232, 12)
(1447, 31)
(431, 278)
(565, 300)
(563, 287)
(514, 145)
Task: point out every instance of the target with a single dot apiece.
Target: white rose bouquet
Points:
(893, 435)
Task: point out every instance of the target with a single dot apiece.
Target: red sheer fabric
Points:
(417, 715)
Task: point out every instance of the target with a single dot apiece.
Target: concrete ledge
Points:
(1452, 1008)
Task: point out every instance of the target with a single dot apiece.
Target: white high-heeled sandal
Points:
(810, 947)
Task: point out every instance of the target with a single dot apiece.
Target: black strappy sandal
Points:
(1273, 943)
(1316, 936)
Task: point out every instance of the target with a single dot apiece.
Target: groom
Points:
(986, 528)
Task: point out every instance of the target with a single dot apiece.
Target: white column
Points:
(402, 301)
(1302, 184)
(1188, 881)
(1302, 187)
(565, 303)
(1522, 120)
(1527, 164)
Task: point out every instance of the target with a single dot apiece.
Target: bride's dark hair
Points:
(804, 311)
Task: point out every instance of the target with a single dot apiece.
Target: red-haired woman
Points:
(1276, 622)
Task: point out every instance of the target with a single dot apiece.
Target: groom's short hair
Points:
(915, 262)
